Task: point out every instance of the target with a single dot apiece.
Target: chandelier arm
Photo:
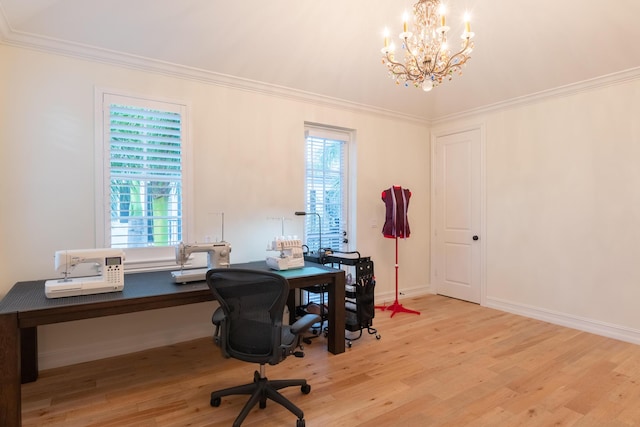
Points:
(415, 60)
(431, 71)
(396, 64)
(460, 53)
(411, 76)
(434, 63)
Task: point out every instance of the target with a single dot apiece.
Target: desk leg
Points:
(29, 354)
(336, 291)
(10, 399)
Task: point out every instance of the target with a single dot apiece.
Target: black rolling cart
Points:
(360, 287)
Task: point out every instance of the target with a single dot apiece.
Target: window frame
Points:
(346, 136)
(141, 258)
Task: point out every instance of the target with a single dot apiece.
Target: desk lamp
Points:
(301, 213)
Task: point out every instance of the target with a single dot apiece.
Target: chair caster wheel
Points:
(378, 337)
(300, 423)
(215, 402)
(305, 389)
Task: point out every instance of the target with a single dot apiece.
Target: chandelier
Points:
(427, 59)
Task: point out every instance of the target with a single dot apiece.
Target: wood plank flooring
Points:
(455, 364)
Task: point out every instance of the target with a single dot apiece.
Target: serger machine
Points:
(217, 257)
(109, 272)
(290, 253)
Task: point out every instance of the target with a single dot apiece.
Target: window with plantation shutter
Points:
(326, 188)
(143, 176)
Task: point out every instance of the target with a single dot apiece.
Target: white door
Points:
(456, 229)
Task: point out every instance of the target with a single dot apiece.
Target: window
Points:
(326, 188)
(142, 154)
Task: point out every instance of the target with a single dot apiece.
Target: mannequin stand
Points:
(396, 307)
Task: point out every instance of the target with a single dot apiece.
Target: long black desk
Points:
(25, 307)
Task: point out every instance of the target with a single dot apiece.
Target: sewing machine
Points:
(217, 257)
(290, 256)
(109, 269)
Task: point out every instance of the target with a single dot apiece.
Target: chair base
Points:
(260, 390)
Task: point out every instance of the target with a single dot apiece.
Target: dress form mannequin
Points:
(396, 222)
(396, 226)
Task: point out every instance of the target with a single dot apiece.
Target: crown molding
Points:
(11, 37)
(620, 77)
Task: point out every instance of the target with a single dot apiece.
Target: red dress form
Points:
(396, 225)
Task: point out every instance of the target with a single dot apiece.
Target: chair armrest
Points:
(304, 323)
(218, 316)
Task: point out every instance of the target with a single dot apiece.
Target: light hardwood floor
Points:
(455, 364)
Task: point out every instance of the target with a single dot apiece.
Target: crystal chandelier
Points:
(427, 59)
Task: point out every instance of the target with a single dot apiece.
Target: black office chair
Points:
(252, 330)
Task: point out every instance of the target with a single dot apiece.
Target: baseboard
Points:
(416, 291)
(608, 330)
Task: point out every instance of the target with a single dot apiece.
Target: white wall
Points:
(563, 208)
(248, 151)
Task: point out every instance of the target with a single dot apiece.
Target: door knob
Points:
(475, 237)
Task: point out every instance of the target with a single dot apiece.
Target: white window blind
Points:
(145, 176)
(326, 188)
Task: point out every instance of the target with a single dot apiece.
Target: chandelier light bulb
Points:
(442, 10)
(427, 85)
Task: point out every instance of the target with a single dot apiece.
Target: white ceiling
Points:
(332, 47)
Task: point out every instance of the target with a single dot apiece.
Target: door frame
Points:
(436, 133)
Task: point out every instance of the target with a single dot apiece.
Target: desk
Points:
(25, 307)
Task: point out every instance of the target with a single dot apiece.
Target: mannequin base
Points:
(396, 307)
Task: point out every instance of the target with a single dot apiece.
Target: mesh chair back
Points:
(253, 303)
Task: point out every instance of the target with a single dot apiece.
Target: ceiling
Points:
(331, 48)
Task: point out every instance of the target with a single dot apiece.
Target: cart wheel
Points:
(215, 402)
(349, 344)
(305, 389)
(300, 423)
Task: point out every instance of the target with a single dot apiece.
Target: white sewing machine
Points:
(217, 257)
(109, 272)
(290, 256)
